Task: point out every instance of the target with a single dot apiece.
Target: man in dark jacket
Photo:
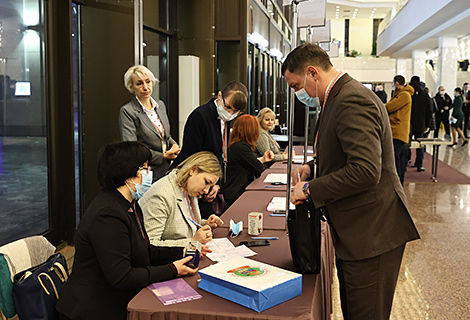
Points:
(379, 91)
(466, 108)
(420, 118)
(444, 104)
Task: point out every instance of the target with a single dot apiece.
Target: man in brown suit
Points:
(356, 183)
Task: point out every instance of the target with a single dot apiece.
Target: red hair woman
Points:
(243, 165)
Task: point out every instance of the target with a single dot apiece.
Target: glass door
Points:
(23, 121)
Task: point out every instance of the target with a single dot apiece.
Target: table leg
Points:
(436, 161)
(432, 161)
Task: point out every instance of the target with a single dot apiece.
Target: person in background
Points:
(457, 118)
(420, 119)
(266, 118)
(399, 111)
(466, 109)
(355, 185)
(444, 104)
(379, 91)
(243, 166)
(113, 258)
(144, 119)
(171, 203)
(207, 129)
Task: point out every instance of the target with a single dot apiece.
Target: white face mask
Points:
(442, 92)
(224, 114)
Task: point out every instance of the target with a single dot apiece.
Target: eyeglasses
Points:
(232, 110)
(147, 169)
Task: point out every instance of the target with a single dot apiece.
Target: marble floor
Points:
(434, 281)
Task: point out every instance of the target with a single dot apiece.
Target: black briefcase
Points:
(304, 229)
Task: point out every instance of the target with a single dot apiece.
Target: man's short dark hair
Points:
(415, 79)
(305, 55)
(399, 79)
(120, 161)
(465, 84)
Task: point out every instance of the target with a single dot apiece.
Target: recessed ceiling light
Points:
(356, 9)
(337, 6)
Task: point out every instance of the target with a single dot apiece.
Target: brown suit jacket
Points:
(356, 177)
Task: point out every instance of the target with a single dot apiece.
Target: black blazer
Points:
(112, 261)
(135, 125)
(242, 168)
(202, 132)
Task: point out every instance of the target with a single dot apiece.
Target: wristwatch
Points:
(305, 190)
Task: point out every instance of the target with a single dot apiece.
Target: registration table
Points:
(313, 304)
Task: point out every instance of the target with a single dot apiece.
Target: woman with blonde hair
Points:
(243, 165)
(170, 207)
(144, 119)
(266, 119)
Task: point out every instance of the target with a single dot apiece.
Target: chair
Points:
(15, 257)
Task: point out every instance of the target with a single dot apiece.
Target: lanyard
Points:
(189, 203)
(328, 89)
(139, 223)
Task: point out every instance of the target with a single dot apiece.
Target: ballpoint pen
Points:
(197, 224)
(277, 214)
(264, 238)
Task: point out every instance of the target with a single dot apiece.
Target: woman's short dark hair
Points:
(305, 55)
(120, 161)
(238, 93)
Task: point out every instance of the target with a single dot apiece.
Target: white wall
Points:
(360, 35)
(337, 33)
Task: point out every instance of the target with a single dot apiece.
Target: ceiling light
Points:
(356, 9)
(337, 6)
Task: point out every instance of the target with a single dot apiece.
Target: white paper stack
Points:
(276, 178)
(279, 203)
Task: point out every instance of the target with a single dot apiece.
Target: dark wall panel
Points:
(107, 51)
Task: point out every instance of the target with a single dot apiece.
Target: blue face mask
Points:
(305, 98)
(141, 188)
(235, 228)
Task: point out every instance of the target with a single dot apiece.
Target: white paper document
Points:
(279, 203)
(300, 158)
(276, 178)
(223, 249)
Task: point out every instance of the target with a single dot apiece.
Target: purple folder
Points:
(173, 291)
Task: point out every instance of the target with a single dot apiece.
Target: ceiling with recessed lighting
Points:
(364, 9)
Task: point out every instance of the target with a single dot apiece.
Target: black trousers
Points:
(367, 286)
(444, 118)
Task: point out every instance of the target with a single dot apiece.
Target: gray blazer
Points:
(166, 213)
(135, 125)
(356, 177)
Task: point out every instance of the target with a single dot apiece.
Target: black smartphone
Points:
(255, 243)
(278, 183)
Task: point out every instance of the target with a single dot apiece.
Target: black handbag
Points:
(304, 229)
(36, 290)
(219, 205)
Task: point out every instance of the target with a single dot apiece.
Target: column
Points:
(418, 64)
(447, 68)
(401, 68)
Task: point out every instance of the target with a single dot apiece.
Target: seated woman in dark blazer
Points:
(113, 257)
(243, 165)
